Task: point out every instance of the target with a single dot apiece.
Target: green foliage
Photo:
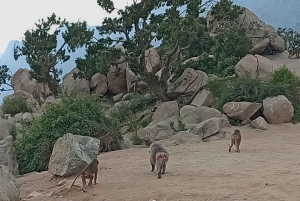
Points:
(79, 116)
(283, 82)
(15, 105)
(290, 37)
(136, 140)
(5, 77)
(39, 46)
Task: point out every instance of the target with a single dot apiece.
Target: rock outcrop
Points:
(71, 153)
(8, 156)
(9, 190)
(77, 86)
(241, 110)
(278, 110)
(98, 84)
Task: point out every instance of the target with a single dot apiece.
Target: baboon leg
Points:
(90, 181)
(95, 178)
(83, 183)
(237, 145)
(164, 168)
(153, 166)
(159, 170)
(231, 145)
(108, 147)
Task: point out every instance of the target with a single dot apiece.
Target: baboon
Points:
(236, 140)
(88, 173)
(159, 157)
(105, 143)
(294, 52)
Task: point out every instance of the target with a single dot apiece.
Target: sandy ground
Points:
(266, 169)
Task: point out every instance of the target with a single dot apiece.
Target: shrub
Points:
(283, 82)
(79, 116)
(15, 105)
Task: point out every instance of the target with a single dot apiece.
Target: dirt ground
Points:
(267, 168)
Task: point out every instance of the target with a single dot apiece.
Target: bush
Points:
(79, 116)
(283, 82)
(15, 105)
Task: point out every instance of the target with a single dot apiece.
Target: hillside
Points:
(266, 169)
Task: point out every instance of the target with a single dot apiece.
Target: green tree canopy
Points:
(40, 47)
(5, 78)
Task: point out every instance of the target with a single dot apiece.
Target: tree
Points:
(5, 78)
(40, 47)
(138, 26)
(290, 37)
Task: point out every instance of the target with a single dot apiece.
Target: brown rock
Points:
(32, 103)
(152, 60)
(188, 82)
(241, 110)
(260, 123)
(7, 155)
(77, 86)
(278, 110)
(99, 83)
(203, 98)
(8, 186)
(256, 66)
(116, 79)
(165, 110)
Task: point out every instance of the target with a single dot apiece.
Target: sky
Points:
(17, 16)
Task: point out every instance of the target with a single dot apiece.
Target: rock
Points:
(1, 112)
(99, 83)
(126, 144)
(71, 153)
(7, 116)
(203, 98)
(118, 97)
(194, 115)
(166, 110)
(32, 103)
(19, 117)
(278, 110)
(152, 60)
(19, 128)
(158, 130)
(183, 137)
(261, 34)
(21, 81)
(27, 117)
(218, 136)
(128, 96)
(210, 127)
(4, 129)
(34, 194)
(8, 156)
(36, 115)
(9, 191)
(116, 79)
(190, 81)
(259, 46)
(75, 87)
(256, 66)
(260, 123)
(131, 80)
(241, 110)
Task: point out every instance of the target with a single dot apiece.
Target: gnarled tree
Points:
(40, 47)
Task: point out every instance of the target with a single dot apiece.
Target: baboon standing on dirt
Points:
(159, 157)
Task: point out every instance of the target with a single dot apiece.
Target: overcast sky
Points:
(16, 16)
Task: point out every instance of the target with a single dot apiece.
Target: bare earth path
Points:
(266, 169)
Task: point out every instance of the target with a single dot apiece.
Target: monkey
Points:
(159, 157)
(105, 143)
(296, 52)
(236, 140)
(88, 173)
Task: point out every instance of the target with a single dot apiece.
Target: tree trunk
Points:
(158, 91)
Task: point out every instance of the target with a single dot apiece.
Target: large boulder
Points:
(152, 60)
(166, 109)
(98, 83)
(278, 110)
(241, 110)
(77, 86)
(262, 35)
(8, 156)
(4, 128)
(211, 127)
(71, 153)
(116, 79)
(203, 98)
(9, 190)
(31, 102)
(21, 81)
(189, 82)
(256, 66)
(194, 115)
(158, 130)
